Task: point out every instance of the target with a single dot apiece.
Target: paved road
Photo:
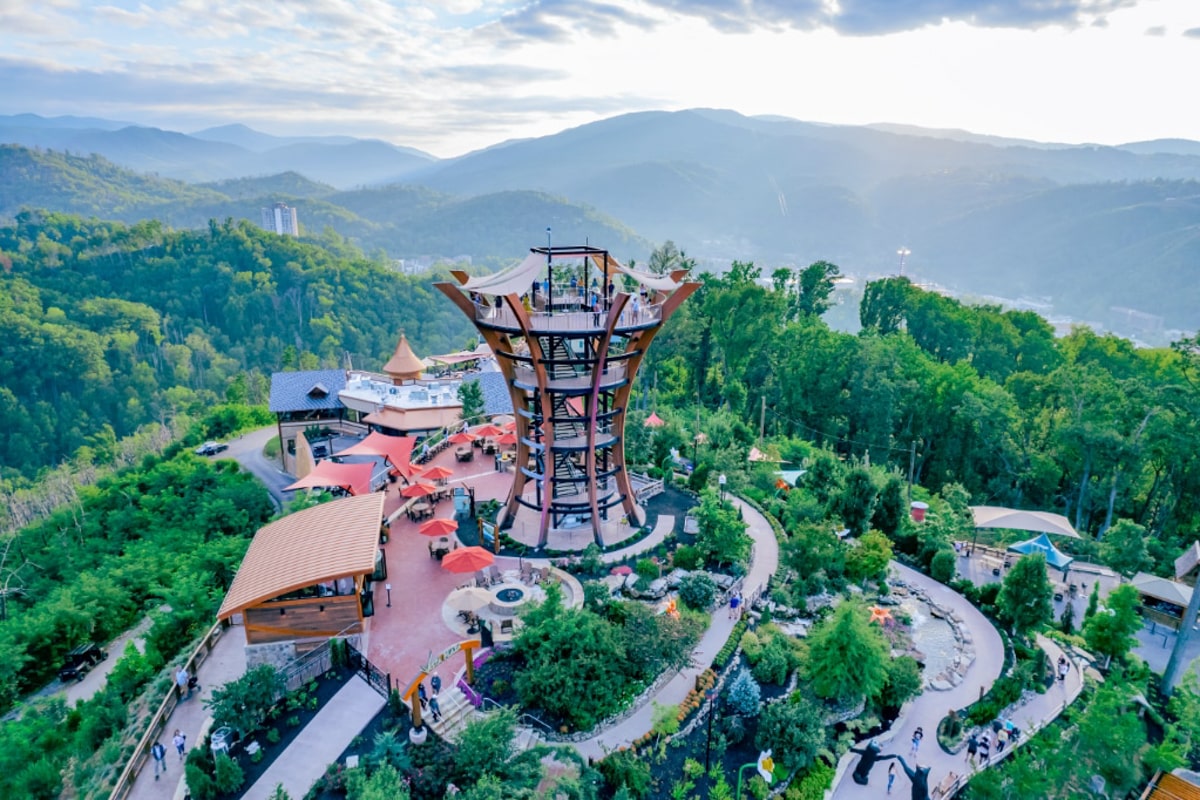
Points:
(247, 451)
(928, 708)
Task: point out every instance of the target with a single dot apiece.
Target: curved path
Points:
(764, 561)
(928, 708)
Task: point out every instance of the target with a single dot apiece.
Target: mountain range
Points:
(1088, 227)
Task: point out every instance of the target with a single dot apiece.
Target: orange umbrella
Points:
(418, 490)
(508, 438)
(488, 430)
(438, 527)
(510, 426)
(437, 473)
(468, 559)
(462, 437)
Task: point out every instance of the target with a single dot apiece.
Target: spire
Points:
(404, 364)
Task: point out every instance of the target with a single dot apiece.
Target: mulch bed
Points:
(328, 684)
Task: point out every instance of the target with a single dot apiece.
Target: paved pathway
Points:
(226, 662)
(321, 742)
(929, 708)
(765, 562)
(247, 450)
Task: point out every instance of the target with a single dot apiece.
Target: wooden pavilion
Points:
(308, 575)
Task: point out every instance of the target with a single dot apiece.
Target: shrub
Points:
(734, 728)
(647, 570)
(199, 783)
(623, 769)
(692, 768)
(273, 736)
(687, 557)
(500, 686)
(293, 721)
(751, 646)
(697, 590)
(942, 567)
(745, 696)
(813, 785)
(257, 756)
(590, 562)
(775, 662)
(229, 776)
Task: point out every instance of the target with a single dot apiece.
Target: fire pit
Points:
(507, 598)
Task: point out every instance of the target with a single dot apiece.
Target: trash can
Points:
(222, 740)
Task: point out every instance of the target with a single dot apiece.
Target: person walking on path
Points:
(972, 749)
(436, 682)
(160, 758)
(918, 735)
(1064, 669)
(891, 776)
(180, 742)
(181, 681)
(435, 710)
(985, 749)
(421, 695)
(735, 600)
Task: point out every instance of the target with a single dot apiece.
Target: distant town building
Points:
(282, 219)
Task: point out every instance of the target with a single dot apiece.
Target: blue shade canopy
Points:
(1042, 545)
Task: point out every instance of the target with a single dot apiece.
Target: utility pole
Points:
(912, 466)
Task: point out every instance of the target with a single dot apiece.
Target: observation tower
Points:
(569, 343)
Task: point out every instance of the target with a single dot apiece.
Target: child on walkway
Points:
(180, 742)
(891, 776)
(918, 735)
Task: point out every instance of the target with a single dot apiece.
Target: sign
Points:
(488, 531)
(766, 766)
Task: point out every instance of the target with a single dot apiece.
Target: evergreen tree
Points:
(1025, 599)
(847, 656)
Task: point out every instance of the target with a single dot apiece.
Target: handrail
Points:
(154, 728)
(524, 716)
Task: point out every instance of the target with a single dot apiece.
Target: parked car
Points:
(211, 448)
(79, 661)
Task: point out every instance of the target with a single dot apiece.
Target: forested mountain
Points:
(107, 327)
(1087, 228)
(400, 220)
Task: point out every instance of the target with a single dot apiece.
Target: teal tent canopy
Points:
(1041, 544)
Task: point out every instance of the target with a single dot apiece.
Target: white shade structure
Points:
(1015, 519)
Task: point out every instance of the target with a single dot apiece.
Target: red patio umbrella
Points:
(438, 527)
(462, 437)
(418, 490)
(468, 559)
(488, 430)
(510, 426)
(437, 473)
(507, 439)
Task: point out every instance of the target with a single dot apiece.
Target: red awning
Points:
(354, 478)
(396, 449)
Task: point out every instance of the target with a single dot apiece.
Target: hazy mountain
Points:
(218, 153)
(292, 184)
(1185, 147)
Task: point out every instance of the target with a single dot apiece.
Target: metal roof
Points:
(293, 391)
(325, 542)
(496, 399)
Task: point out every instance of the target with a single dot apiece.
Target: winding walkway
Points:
(928, 708)
(764, 561)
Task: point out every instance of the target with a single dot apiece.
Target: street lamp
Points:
(710, 695)
(387, 587)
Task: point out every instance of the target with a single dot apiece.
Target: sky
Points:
(459, 75)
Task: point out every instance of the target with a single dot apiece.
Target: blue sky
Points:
(458, 75)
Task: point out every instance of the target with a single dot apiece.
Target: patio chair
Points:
(494, 575)
(481, 579)
(540, 574)
(526, 573)
(506, 626)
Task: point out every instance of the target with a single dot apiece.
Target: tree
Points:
(815, 286)
(384, 783)
(1025, 599)
(867, 559)
(793, 730)
(891, 509)
(485, 748)
(903, 681)
(470, 394)
(745, 695)
(1124, 548)
(847, 656)
(856, 502)
(943, 565)
(243, 703)
(1110, 631)
(722, 534)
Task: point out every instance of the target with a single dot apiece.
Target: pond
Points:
(932, 636)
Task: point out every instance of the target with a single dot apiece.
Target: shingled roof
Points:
(496, 399)
(313, 390)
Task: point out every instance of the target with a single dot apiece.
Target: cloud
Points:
(1192, 33)
(557, 20)
(1157, 30)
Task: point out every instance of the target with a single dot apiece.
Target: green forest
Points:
(108, 327)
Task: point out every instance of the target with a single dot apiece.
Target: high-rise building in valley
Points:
(282, 219)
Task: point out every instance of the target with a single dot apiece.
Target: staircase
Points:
(456, 710)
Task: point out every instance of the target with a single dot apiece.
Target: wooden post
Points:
(470, 665)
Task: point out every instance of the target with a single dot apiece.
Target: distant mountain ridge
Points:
(980, 214)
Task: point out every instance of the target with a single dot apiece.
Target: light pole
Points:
(387, 587)
(903, 252)
(712, 712)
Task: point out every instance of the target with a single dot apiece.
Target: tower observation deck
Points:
(569, 344)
